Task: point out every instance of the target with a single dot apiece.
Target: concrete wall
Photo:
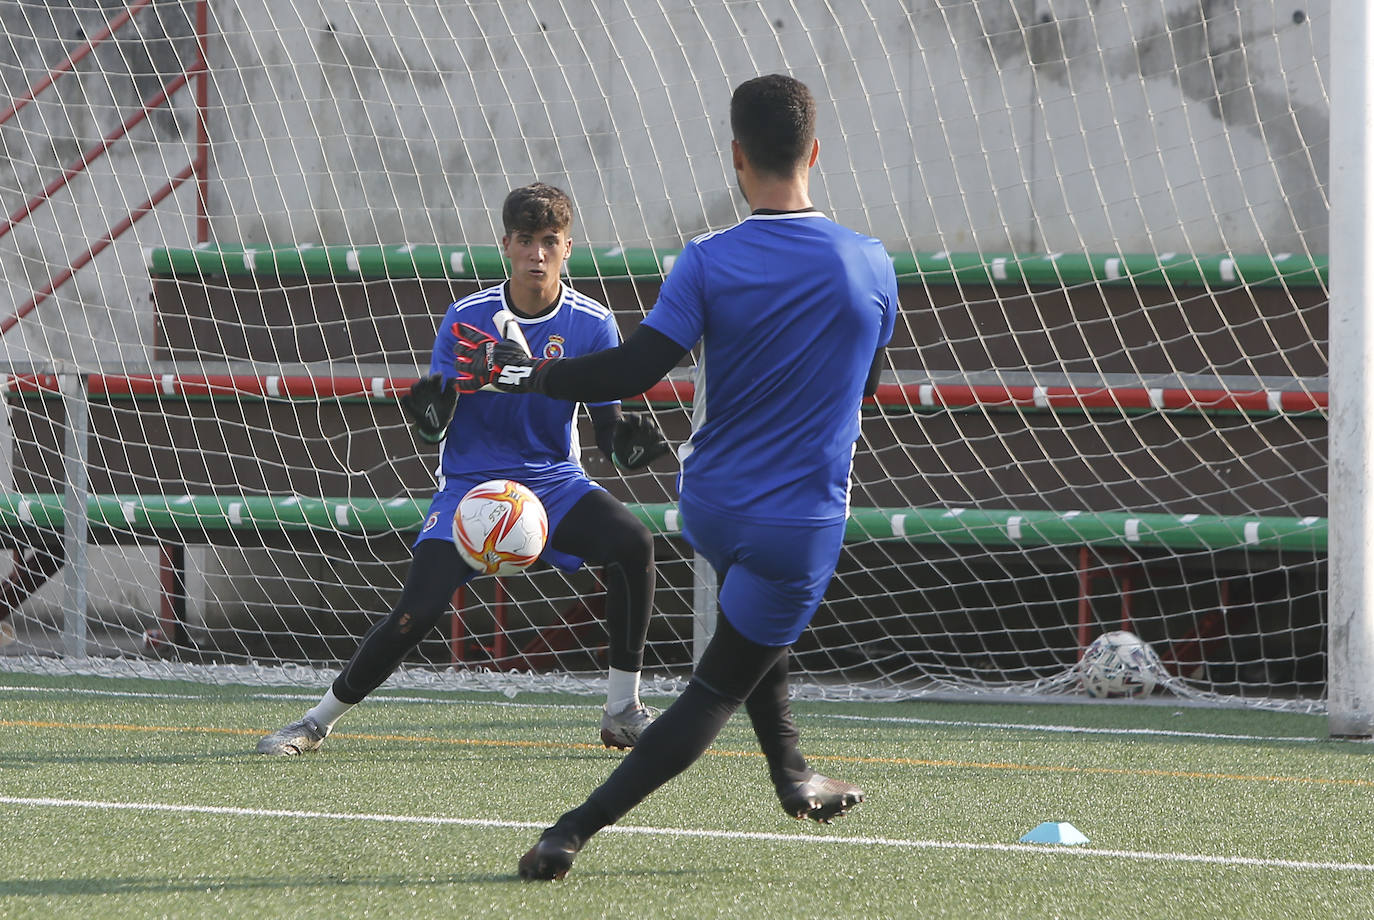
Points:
(101, 318)
(992, 125)
(1027, 125)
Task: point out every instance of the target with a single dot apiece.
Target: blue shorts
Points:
(556, 493)
(772, 576)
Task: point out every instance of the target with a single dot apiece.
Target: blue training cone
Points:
(1051, 832)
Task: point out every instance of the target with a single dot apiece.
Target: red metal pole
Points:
(956, 396)
(1127, 591)
(457, 633)
(374, 388)
(171, 617)
(90, 156)
(498, 614)
(1084, 598)
(202, 160)
(72, 60)
(58, 280)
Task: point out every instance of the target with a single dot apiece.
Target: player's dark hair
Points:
(774, 120)
(536, 207)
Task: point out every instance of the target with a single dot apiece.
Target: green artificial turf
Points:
(421, 807)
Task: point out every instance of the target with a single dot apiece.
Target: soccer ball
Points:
(500, 527)
(1118, 664)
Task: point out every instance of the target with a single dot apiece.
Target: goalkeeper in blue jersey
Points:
(794, 313)
(491, 436)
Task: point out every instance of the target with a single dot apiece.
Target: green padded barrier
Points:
(357, 263)
(1073, 528)
(954, 526)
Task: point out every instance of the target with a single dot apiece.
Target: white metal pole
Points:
(1350, 616)
(704, 590)
(75, 516)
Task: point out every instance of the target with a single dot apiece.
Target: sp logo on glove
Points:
(482, 362)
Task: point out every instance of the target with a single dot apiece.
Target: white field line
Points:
(1038, 849)
(890, 720)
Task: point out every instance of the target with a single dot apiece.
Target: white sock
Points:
(328, 710)
(622, 690)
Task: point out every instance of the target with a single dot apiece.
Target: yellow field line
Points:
(833, 758)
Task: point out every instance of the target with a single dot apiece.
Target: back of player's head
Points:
(536, 207)
(774, 120)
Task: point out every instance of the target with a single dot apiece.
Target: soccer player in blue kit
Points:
(486, 436)
(794, 313)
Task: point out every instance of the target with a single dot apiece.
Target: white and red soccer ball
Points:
(1119, 664)
(500, 527)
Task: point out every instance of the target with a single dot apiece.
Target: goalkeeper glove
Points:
(481, 360)
(431, 405)
(638, 441)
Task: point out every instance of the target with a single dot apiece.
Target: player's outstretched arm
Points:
(430, 404)
(614, 373)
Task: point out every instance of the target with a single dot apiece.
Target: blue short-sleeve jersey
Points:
(790, 309)
(525, 438)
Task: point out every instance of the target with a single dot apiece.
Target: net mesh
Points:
(1106, 406)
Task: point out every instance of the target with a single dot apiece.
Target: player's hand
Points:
(430, 405)
(482, 361)
(638, 441)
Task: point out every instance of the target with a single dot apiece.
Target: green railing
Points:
(484, 263)
(955, 526)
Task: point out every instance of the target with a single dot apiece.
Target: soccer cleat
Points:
(550, 858)
(820, 798)
(623, 729)
(303, 736)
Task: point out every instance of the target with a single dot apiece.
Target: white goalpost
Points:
(233, 225)
(1351, 686)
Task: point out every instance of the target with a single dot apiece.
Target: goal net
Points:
(232, 227)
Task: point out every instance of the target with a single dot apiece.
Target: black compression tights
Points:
(598, 528)
(733, 671)
(602, 531)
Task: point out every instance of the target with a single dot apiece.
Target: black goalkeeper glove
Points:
(431, 405)
(638, 441)
(481, 361)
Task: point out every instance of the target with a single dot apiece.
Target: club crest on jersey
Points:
(430, 521)
(554, 347)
